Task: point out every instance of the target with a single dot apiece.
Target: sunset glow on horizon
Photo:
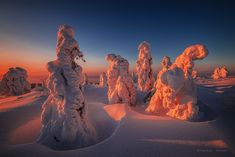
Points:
(29, 41)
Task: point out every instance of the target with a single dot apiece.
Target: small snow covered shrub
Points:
(143, 67)
(120, 84)
(14, 82)
(64, 115)
(176, 92)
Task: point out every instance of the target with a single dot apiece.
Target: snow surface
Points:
(123, 130)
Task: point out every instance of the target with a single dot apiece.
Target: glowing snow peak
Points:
(103, 80)
(64, 115)
(14, 82)
(220, 72)
(143, 67)
(120, 84)
(176, 93)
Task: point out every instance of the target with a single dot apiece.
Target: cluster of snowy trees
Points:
(64, 115)
(220, 72)
(176, 92)
(14, 82)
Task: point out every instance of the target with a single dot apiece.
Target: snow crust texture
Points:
(143, 68)
(64, 115)
(121, 87)
(14, 82)
(220, 72)
(176, 92)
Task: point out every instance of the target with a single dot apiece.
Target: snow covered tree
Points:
(64, 115)
(14, 82)
(220, 72)
(165, 63)
(103, 80)
(121, 87)
(176, 93)
(143, 67)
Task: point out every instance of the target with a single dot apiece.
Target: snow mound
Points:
(64, 116)
(14, 82)
(176, 92)
(143, 67)
(121, 87)
(220, 72)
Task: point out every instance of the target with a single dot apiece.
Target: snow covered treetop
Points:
(166, 62)
(191, 53)
(144, 45)
(117, 62)
(16, 72)
(144, 51)
(67, 47)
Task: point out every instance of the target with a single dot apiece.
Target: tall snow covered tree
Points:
(143, 67)
(64, 115)
(121, 87)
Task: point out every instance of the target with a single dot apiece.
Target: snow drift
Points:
(64, 115)
(176, 92)
(143, 67)
(121, 87)
(14, 82)
(220, 72)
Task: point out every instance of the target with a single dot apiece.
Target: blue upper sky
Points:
(119, 26)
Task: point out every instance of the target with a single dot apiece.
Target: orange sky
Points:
(17, 52)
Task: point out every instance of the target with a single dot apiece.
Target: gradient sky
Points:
(28, 31)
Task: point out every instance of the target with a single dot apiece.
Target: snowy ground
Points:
(126, 131)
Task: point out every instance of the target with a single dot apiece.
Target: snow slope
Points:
(131, 132)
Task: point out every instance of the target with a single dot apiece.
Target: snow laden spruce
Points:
(121, 87)
(176, 92)
(64, 116)
(14, 82)
(143, 67)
